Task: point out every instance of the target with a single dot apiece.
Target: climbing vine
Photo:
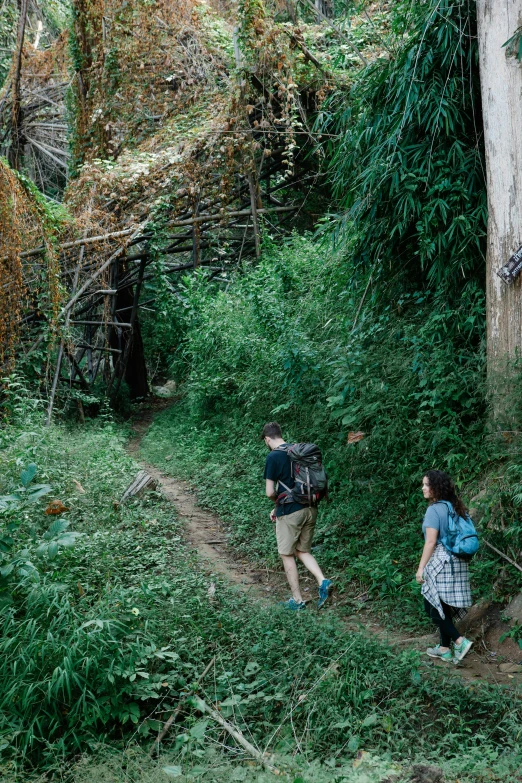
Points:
(29, 285)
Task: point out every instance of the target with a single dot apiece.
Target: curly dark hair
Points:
(443, 488)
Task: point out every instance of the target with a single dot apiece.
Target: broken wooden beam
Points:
(142, 481)
(102, 323)
(224, 215)
(99, 348)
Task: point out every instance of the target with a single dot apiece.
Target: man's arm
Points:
(271, 490)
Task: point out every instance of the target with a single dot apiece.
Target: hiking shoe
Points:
(293, 605)
(324, 591)
(436, 652)
(462, 649)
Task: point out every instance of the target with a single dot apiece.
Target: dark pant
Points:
(446, 627)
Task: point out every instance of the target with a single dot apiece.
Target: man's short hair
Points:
(271, 430)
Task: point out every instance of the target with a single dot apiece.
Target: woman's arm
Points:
(429, 547)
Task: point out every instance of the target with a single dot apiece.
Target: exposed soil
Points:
(206, 533)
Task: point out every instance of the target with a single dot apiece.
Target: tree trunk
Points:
(501, 86)
(15, 152)
(135, 370)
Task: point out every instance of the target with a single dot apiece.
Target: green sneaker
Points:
(462, 649)
(436, 652)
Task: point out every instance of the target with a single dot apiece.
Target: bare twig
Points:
(178, 709)
(506, 557)
(234, 732)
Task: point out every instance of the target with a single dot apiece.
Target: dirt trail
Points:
(206, 533)
(204, 529)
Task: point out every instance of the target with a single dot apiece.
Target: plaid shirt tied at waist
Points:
(446, 578)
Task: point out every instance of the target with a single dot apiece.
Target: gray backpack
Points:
(311, 481)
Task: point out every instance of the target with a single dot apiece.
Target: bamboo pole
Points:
(96, 274)
(103, 323)
(224, 215)
(98, 348)
(62, 343)
(136, 238)
(254, 210)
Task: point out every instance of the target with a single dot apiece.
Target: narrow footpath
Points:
(206, 533)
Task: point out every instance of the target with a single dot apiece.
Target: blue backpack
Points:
(461, 538)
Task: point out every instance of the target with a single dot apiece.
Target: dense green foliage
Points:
(107, 615)
(406, 156)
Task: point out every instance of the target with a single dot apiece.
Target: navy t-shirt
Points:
(278, 468)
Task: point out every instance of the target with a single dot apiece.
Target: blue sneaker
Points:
(293, 605)
(324, 592)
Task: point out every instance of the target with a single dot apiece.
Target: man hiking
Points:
(295, 521)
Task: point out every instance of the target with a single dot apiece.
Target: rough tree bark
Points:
(16, 149)
(501, 86)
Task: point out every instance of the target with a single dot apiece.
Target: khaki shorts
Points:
(296, 531)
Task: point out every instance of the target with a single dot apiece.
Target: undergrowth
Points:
(105, 640)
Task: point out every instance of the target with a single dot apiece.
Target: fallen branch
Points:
(235, 733)
(298, 40)
(506, 557)
(176, 712)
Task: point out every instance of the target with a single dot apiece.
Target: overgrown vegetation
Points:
(373, 325)
(103, 640)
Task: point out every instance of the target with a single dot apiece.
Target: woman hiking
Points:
(444, 576)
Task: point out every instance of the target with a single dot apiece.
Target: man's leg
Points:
(302, 551)
(304, 544)
(311, 564)
(292, 576)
